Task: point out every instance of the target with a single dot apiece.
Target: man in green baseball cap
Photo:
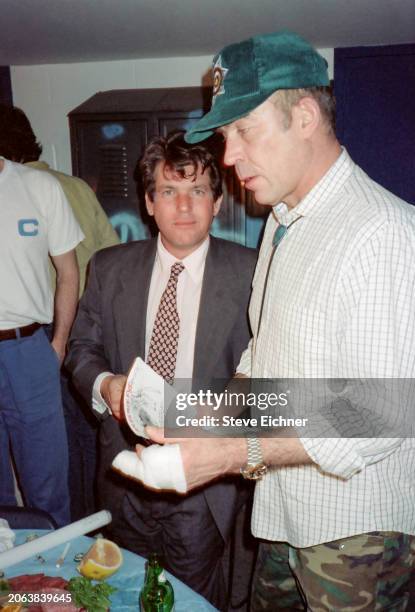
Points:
(332, 301)
(254, 81)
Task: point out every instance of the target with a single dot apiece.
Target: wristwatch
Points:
(255, 468)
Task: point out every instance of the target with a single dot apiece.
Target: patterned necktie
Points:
(162, 351)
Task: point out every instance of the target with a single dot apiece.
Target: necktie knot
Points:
(281, 231)
(279, 235)
(176, 269)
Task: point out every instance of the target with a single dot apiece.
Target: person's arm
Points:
(66, 299)
(88, 357)
(376, 339)
(205, 459)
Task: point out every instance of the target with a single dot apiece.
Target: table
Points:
(128, 579)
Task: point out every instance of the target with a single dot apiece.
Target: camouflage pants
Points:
(368, 572)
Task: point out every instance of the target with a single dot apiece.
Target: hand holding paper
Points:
(144, 398)
(112, 388)
(145, 395)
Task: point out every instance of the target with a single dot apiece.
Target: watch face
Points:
(254, 472)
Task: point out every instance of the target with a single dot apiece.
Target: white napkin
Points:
(160, 467)
(7, 536)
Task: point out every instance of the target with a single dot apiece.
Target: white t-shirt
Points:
(35, 221)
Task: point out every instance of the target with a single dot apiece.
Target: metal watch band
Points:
(255, 468)
(254, 451)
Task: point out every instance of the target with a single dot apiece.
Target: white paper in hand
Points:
(146, 397)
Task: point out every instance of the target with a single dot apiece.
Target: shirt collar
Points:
(320, 195)
(193, 263)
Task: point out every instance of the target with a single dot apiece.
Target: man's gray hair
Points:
(285, 99)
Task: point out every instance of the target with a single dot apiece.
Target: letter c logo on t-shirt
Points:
(28, 227)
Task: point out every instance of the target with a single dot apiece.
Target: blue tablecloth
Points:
(128, 579)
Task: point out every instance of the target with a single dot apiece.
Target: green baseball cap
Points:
(245, 74)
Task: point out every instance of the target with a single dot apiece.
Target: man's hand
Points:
(111, 389)
(204, 459)
(59, 348)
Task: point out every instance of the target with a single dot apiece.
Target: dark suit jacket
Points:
(109, 332)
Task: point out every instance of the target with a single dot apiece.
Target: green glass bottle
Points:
(157, 594)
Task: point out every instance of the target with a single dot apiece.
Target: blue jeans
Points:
(32, 426)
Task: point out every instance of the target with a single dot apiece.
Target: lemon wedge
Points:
(102, 560)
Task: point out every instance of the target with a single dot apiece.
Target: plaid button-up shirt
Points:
(339, 303)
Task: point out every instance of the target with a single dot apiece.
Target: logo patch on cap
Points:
(219, 74)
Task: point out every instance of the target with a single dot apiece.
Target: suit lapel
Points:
(130, 304)
(216, 312)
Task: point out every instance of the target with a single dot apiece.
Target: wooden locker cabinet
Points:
(108, 134)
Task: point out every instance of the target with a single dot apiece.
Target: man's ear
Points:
(308, 116)
(217, 204)
(149, 205)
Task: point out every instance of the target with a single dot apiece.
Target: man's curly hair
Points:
(17, 140)
(177, 154)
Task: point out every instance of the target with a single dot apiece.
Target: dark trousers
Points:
(82, 428)
(182, 531)
(82, 433)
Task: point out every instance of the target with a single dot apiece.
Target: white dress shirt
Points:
(339, 303)
(189, 287)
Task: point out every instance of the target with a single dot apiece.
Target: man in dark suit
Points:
(117, 321)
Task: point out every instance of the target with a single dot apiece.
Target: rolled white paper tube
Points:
(54, 538)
